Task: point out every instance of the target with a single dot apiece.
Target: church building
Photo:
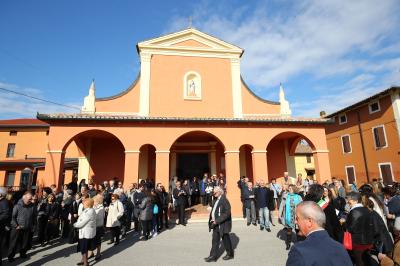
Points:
(188, 112)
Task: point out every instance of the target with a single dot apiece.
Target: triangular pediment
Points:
(190, 39)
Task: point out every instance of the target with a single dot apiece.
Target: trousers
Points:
(19, 237)
(216, 237)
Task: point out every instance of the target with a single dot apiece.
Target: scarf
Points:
(290, 209)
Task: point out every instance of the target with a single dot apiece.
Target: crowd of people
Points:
(365, 219)
(83, 213)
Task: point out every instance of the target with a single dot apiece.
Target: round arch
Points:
(246, 161)
(197, 132)
(281, 154)
(101, 155)
(195, 153)
(147, 163)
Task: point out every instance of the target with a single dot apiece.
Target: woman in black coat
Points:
(53, 210)
(332, 225)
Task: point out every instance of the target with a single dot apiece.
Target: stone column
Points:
(322, 167)
(232, 168)
(131, 170)
(162, 168)
(144, 101)
(236, 88)
(260, 167)
(53, 172)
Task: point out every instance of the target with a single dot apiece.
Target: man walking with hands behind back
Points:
(220, 222)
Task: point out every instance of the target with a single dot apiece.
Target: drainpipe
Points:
(362, 145)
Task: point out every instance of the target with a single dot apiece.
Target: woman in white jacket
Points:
(115, 212)
(87, 229)
(100, 213)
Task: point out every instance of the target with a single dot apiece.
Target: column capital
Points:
(162, 151)
(320, 151)
(259, 151)
(132, 151)
(232, 151)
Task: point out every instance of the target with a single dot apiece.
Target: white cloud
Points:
(322, 39)
(14, 105)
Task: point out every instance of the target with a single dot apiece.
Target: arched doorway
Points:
(147, 163)
(196, 153)
(246, 161)
(281, 154)
(101, 156)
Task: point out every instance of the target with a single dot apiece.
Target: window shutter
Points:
(386, 174)
(350, 174)
(346, 144)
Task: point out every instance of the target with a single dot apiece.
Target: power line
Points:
(39, 99)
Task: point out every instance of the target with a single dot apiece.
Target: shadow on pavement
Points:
(235, 242)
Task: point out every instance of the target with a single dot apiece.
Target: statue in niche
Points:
(192, 88)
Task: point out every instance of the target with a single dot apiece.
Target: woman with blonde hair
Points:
(87, 230)
(100, 213)
(115, 212)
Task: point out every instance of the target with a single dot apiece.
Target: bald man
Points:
(318, 248)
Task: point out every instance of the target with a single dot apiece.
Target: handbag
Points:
(155, 209)
(347, 241)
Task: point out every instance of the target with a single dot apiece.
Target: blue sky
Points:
(328, 54)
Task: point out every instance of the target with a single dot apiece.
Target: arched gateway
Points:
(189, 111)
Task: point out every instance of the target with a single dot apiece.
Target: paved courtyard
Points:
(176, 246)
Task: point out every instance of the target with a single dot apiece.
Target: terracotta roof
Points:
(135, 118)
(23, 122)
(362, 102)
(303, 149)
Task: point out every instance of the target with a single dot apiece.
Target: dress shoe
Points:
(269, 230)
(228, 257)
(255, 224)
(261, 228)
(248, 224)
(210, 259)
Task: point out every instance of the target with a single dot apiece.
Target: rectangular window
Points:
(308, 158)
(351, 174)
(346, 145)
(342, 119)
(374, 107)
(10, 150)
(379, 137)
(13, 133)
(10, 177)
(385, 169)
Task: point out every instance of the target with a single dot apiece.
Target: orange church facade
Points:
(188, 112)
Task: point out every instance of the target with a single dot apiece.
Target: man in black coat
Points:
(220, 222)
(265, 204)
(180, 195)
(4, 216)
(162, 196)
(22, 225)
(318, 248)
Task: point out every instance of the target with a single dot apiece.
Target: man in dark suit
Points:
(318, 248)
(220, 222)
(180, 198)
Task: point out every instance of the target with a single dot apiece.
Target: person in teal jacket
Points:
(289, 213)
